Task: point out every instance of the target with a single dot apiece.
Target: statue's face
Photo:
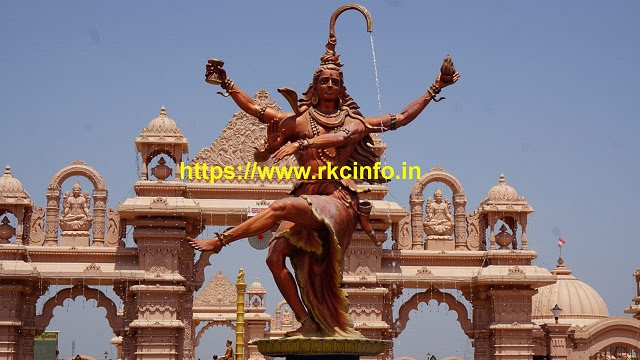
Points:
(438, 198)
(76, 192)
(328, 85)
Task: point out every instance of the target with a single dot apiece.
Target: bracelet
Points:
(303, 144)
(263, 109)
(346, 131)
(433, 91)
(393, 125)
(227, 84)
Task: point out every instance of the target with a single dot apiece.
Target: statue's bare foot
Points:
(309, 328)
(211, 244)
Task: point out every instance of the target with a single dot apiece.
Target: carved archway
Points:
(440, 297)
(211, 324)
(116, 322)
(416, 201)
(76, 168)
(609, 332)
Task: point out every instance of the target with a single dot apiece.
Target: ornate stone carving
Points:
(36, 234)
(75, 210)
(438, 223)
(424, 271)
(93, 268)
(286, 317)
(113, 234)
(416, 201)
(235, 145)
(219, 292)
(404, 234)
(159, 202)
(516, 271)
(473, 231)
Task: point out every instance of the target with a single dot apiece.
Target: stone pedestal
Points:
(74, 238)
(439, 242)
(307, 348)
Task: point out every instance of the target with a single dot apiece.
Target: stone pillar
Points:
(186, 316)
(10, 322)
(460, 221)
(157, 325)
(99, 212)
(144, 173)
(28, 329)
(117, 342)
(556, 336)
(241, 287)
(416, 222)
(20, 216)
(523, 238)
(53, 207)
(492, 236)
(481, 318)
(512, 327)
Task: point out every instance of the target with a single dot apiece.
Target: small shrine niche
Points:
(442, 218)
(285, 320)
(438, 217)
(161, 137)
(500, 213)
(256, 294)
(79, 216)
(15, 210)
(75, 217)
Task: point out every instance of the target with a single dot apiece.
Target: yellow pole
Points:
(241, 287)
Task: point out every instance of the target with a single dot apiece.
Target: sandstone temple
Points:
(440, 245)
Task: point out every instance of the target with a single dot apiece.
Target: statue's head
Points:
(229, 342)
(327, 83)
(438, 195)
(77, 189)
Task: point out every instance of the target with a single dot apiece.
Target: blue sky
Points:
(547, 96)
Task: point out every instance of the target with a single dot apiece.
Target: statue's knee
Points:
(279, 207)
(275, 261)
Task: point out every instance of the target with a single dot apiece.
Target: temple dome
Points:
(10, 187)
(256, 288)
(502, 192)
(162, 125)
(581, 305)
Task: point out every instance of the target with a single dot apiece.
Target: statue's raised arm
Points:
(216, 75)
(448, 76)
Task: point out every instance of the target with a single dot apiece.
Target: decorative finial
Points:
(163, 110)
(5, 221)
(560, 261)
(331, 57)
(7, 170)
(502, 180)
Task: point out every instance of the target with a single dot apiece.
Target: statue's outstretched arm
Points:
(264, 113)
(409, 113)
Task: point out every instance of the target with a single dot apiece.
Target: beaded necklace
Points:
(330, 153)
(334, 120)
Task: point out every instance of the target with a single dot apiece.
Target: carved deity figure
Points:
(318, 221)
(75, 210)
(286, 317)
(438, 218)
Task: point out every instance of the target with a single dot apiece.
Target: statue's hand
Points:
(442, 84)
(213, 244)
(212, 68)
(286, 150)
(273, 134)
